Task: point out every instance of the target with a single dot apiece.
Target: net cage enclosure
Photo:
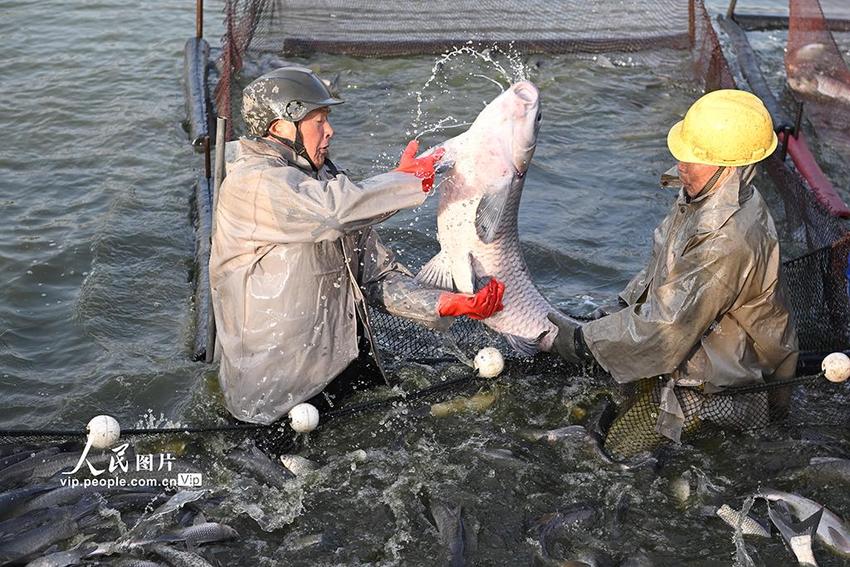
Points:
(817, 73)
(816, 241)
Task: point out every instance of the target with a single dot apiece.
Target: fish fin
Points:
(788, 529)
(839, 539)
(488, 214)
(437, 273)
(601, 416)
(333, 85)
(525, 347)
(479, 282)
(199, 519)
(477, 272)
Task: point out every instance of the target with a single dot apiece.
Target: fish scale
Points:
(180, 558)
(525, 307)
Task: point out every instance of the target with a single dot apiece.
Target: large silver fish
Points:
(477, 216)
(831, 530)
(812, 71)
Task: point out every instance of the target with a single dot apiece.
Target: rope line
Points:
(326, 417)
(356, 409)
(768, 386)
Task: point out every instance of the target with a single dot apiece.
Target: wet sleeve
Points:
(389, 286)
(284, 205)
(631, 293)
(653, 337)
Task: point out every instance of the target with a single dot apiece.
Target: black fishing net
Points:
(175, 438)
(816, 274)
(302, 27)
(808, 400)
(817, 297)
(403, 340)
(278, 437)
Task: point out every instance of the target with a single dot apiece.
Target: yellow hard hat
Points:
(726, 127)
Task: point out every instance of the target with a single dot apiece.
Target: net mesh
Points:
(301, 27)
(403, 339)
(815, 244)
(806, 400)
(278, 437)
(815, 276)
(817, 73)
(335, 26)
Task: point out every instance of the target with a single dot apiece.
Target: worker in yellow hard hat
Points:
(707, 312)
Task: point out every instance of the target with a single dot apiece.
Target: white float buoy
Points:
(304, 418)
(489, 362)
(836, 367)
(103, 431)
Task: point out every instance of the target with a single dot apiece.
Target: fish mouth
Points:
(527, 92)
(525, 132)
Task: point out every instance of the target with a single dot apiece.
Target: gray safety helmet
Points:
(288, 93)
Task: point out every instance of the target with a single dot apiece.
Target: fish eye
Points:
(539, 116)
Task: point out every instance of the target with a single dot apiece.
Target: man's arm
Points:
(654, 337)
(284, 205)
(387, 284)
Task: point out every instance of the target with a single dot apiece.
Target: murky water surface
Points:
(96, 312)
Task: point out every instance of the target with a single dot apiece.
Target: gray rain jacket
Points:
(708, 308)
(294, 258)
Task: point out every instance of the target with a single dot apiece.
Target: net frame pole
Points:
(692, 22)
(199, 19)
(210, 350)
(218, 177)
(762, 22)
(207, 164)
(220, 142)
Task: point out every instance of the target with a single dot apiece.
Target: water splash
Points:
(445, 123)
(507, 65)
(149, 420)
(742, 558)
(451, 75)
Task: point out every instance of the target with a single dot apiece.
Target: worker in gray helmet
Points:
(295, 260)
(707, 313)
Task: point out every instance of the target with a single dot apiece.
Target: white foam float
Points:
(304, 418)
(489, 362)
(103, 431)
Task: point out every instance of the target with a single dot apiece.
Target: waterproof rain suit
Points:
(708, 308)
(294, 260)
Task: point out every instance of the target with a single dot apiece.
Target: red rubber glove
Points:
(481, 305)
(423, 167)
